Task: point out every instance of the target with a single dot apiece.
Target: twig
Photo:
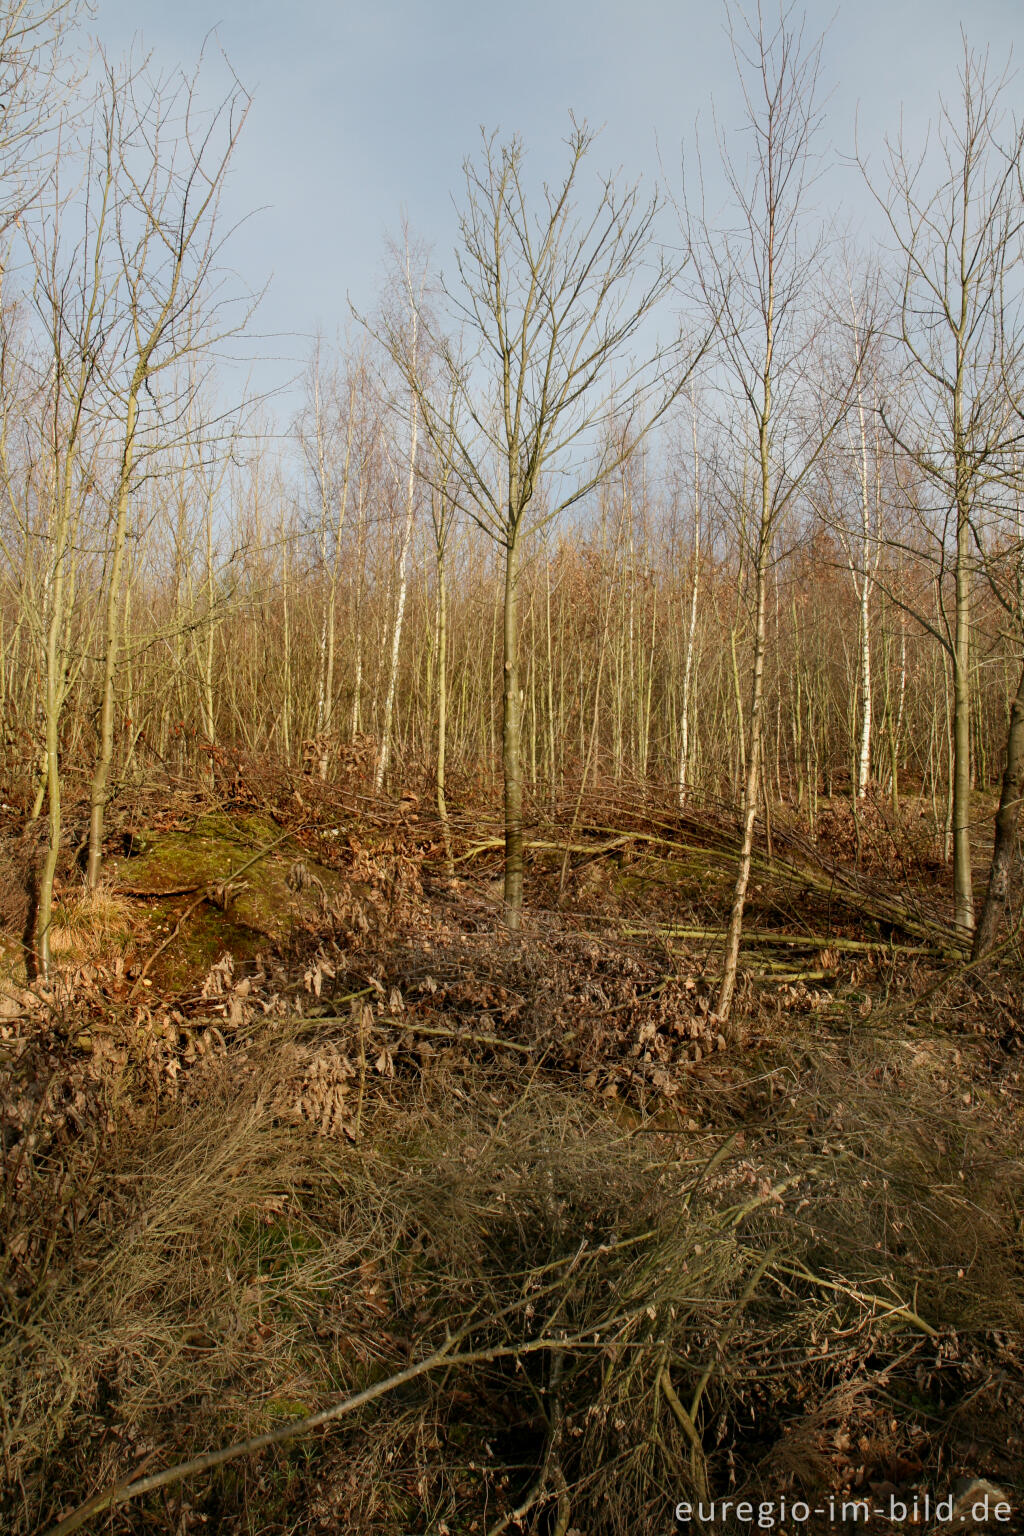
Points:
(539, 1487)
(956, 972)
(717, 1156)
(493, 843)
(452, 1034)
(154, 957)
(801, 1272)
(564, 1509)
(362, 1069)
(774, 974)
(767, 936)
(697, 1458)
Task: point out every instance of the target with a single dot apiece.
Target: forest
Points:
(511, 883)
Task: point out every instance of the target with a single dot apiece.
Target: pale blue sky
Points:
(364, 110)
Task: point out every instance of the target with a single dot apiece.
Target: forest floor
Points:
(298, 1115)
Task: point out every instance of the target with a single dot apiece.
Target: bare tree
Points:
(958, 248)
(326, 436)
(863, 560)
(443, 502)
(76, 304)
(760, 276)
(548, 302)
(686, 704)
(850, 496)
(169, 158)
(37, 74)
(1003, 564)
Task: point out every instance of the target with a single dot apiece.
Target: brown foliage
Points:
(231, 1205)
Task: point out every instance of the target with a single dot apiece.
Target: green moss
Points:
(262, 908)
(200, 944)
(276, 1247)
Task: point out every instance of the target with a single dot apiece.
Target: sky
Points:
(363, 113)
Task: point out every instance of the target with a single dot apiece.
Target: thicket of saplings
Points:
(511, 981)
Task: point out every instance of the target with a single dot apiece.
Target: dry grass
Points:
(93, 926)
(825, 1281)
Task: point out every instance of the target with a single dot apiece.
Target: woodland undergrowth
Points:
(673, 1265)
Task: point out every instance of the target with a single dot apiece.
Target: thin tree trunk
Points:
(101, 775)
(209, 643)
(58, 639)
(442, 705)
(510, 742)
(403, 585)
(732, 947)
(550, 677)
(357, 683)
(325, 695)
(1007, 816)
(684, 750)
(286, 709)
(44, 902)
(864, 755)
(963, 896)
(750, 794)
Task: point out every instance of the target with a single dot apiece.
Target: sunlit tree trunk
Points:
(1007, 819)
(684, 749)
(384, 756)
(104, 757)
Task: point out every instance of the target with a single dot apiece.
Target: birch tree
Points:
(406, 322)
(689, 654)
(863, 562)
(760, 274)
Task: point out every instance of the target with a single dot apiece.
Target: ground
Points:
(297, 1112)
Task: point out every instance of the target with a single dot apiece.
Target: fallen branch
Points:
(389, 1021)
(698, 1465)
(767, 936)
(452, 1034)
(446, 1357)
(549, 1469)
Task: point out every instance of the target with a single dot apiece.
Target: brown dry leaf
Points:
(385, 1063)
